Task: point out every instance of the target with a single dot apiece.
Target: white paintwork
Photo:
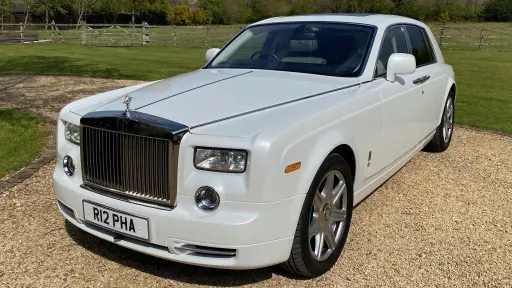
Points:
(211, 53)
(400, 64)
(272, 116)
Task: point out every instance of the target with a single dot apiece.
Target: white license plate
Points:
(121, 222)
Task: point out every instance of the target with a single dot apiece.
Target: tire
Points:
(321, 215)
(440, 142)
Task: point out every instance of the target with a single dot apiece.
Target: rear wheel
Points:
(444, 132)
(324, 220)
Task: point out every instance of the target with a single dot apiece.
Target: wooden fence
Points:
(119, 34)
(473, 37)
(449, 37)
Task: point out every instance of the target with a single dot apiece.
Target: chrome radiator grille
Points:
(135, 166)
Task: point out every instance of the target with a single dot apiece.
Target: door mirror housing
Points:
(400, 64)
(211, 53)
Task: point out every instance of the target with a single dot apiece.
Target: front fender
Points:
(449, 84)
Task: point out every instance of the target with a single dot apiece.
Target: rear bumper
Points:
(254, 231)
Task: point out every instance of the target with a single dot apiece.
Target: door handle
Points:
(421, 79)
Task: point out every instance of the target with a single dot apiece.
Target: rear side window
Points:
(420, 46)
(393, 42)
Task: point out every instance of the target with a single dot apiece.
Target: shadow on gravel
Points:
(167, 269)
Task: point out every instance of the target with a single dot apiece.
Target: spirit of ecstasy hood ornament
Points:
(127, 101)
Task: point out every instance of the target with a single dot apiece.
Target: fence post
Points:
(481, 38)
(441, 37)
(84, 33)
(208, 36)
(22, 35)
(53, 31)
(174, 34)
(145, 33)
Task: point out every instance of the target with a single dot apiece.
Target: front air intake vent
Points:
(135, 166)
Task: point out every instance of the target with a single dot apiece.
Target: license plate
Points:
(118, 221)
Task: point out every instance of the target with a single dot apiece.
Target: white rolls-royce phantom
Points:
(259, 157)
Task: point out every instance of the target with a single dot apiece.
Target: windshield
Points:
(333, 49)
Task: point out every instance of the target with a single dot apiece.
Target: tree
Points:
(216, 9)
(145, 6)
(200, 17)
(5, 8)
(83, 7)
(49, 7)
(29, 7)
(498, 10)
(182, 15)
(134, 6)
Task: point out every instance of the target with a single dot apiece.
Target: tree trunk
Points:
(80, 14)
(133, 18)
(26, 16)
(47, 16)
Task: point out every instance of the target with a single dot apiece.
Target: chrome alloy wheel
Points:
(328, 215)
(448, 120)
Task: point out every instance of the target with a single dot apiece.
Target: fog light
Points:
(207, 199)
(69, 167)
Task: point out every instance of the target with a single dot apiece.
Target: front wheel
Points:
(444, 132)
(324, 221)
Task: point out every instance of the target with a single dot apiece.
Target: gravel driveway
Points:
(443, 220)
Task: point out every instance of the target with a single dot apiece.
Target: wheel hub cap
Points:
(326, 211)
(328, 215)
(448, 117)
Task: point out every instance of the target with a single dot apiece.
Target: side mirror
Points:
(400, 63)
(211, 53)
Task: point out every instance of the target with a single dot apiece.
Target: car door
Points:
(427, 79)
(401, 100)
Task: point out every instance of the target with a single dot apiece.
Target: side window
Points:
(420, 46)
(393, 42)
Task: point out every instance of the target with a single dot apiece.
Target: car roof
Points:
(379, 20)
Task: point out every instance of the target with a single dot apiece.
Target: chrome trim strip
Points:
(421, 79)
(124, 198)
(279, 104)
(208, 250)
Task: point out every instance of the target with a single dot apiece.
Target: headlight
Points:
(220, 160)
(72, 133)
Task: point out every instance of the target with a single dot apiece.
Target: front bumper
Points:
(255, 231)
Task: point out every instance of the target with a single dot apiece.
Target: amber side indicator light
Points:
(293, 167)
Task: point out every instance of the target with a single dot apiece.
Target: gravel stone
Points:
(444, 220)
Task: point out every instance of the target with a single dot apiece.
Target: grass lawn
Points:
(138, 63)
(21, 139)
(483, 77)
(484, 83)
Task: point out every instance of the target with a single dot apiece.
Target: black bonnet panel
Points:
(136, 123)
